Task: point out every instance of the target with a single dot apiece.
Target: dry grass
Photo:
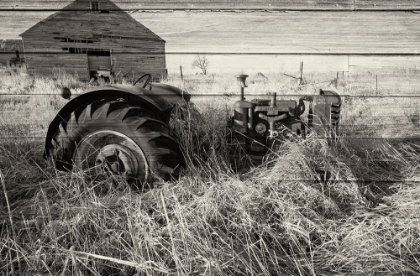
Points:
(313, 208)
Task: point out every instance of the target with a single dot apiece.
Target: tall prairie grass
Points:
(314, 207)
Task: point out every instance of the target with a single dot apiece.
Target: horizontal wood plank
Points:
(387, 4)
(301, 32)
(228, 5)
(196, 5)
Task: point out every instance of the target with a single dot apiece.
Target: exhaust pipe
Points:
(241, 81)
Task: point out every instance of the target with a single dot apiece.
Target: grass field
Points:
(313, 208)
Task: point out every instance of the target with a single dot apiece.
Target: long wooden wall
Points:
(378, 38)
(329, 35)
(231, 4)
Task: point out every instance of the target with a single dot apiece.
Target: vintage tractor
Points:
(124, 129)
(259, 125)
(118, 129)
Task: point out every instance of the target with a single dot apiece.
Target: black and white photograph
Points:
(227, 137)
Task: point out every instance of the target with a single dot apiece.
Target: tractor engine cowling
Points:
(257, 123)
(262, 118)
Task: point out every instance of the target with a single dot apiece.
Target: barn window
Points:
(76, 50)
(94, 5)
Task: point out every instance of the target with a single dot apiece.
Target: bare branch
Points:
(201, 62)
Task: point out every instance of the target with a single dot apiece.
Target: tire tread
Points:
(150, 134)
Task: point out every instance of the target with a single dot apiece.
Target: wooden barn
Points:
(94, 38)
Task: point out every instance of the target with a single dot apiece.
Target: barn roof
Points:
(79, 20)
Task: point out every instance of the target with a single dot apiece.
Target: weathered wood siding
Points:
(327, 37)
(232, 4)
(99, 62)
(45, 55)
(371, 44)
(287, 32)
(134, 65)
(42, 60)
(262, 32)
(387, 4)
(266, 35)
(64, 38)
(44, 64)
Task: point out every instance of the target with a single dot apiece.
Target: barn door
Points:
(99, 63)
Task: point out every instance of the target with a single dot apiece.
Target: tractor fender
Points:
(160, 99)
(331, 97)
(325, 104)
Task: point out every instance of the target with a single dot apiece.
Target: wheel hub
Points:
(118, 159)
(112, 152)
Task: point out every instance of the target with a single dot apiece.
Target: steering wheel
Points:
(149, 77)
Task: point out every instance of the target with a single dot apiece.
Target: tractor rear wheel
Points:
(118, 138)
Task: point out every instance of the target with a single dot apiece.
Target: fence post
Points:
(336, 81)
(182, 76)
(301, 72)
